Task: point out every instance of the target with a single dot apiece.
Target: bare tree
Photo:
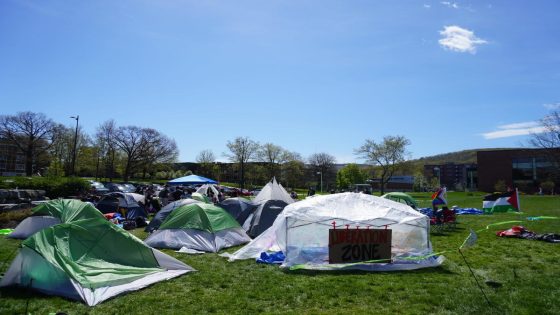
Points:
(205, 156)
(143, 147)
(156, 149)
(549, 139)
(206, 159)
(30, 132)
(387, 155)
(242, 150)
(273, 155)
(107, 148)
(322, 168)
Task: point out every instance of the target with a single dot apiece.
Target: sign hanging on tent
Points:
(351, 245)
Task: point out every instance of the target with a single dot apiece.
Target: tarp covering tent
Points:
(55, 212)
(114, 201)
(269, 203)
(240, 208)
(165, 211)
(198, 226)
(301, 232)
(89, 260)
(191, 180)
(402, 198)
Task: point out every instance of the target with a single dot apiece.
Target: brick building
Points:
(12, 160)
(453, 176)
(524, 169)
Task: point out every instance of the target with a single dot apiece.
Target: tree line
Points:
(49, 148)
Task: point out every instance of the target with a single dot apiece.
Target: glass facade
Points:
(531, 170)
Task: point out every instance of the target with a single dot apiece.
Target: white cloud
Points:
(552, 106)
(427, 6)
(516, 129)
(459, 39)
(448, 4)
(522, 125)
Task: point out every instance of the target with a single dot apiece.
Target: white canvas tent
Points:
(301, 232)
(273, 191)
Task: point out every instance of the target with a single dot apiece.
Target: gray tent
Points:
(239, 208)
(270, 202)
(263, 217)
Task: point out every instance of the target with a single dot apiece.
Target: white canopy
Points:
(301, 231)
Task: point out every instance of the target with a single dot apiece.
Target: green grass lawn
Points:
(527, 274)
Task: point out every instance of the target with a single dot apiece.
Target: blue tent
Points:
(191, 180)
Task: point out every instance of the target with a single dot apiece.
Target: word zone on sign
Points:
(352, 244)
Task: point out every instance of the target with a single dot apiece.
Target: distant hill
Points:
(459, 157)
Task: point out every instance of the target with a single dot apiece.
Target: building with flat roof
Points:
(524, 169)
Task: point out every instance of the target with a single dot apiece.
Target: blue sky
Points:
(311, 76)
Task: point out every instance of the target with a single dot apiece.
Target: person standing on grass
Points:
(164, 195)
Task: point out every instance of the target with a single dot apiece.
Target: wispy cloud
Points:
(516, 129)
(458, 39)
(449, 4)
(552, 106)
(427, 6)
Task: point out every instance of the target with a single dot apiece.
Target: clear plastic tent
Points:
(273, 191)
(301, 232)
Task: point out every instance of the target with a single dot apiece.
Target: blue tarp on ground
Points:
(271, 258)
(191, 180)
(473, 211)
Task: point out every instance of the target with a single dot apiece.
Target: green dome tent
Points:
(55, 212)
(198, 226)
(402, 198)
(89, 260)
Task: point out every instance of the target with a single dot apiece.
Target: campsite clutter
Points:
(68, 241)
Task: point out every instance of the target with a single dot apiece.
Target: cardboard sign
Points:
(353, 245)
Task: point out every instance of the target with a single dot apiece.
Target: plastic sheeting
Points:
(301, 232)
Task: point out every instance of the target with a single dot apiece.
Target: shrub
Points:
(54, 187)
(500, 185)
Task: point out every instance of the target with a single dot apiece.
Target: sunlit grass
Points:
(524, 275)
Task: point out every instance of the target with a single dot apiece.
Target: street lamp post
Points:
(77, 117)
(321, 180)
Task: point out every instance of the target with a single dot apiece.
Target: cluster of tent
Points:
(70, 249)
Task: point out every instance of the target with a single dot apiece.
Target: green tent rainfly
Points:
(198, 226)
(55, 212)
(89, 260)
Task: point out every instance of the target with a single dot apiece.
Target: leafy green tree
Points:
(350, 174)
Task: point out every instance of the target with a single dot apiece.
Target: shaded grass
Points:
(527, 271)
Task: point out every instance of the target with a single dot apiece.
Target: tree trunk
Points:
(242, 182)
(29, 160)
